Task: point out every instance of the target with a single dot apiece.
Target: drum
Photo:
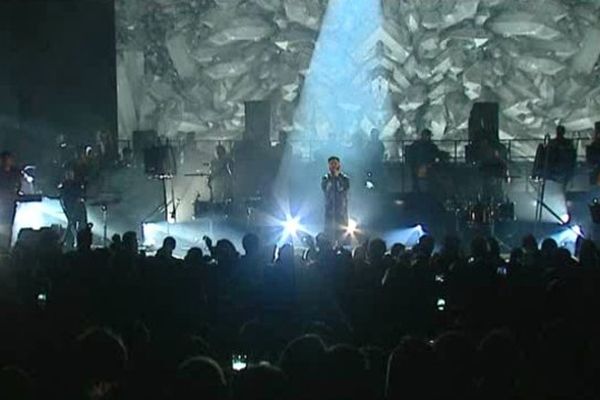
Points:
(479, 214)
(505, 211)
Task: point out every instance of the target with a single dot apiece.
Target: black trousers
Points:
(76, 214)
(335, 229)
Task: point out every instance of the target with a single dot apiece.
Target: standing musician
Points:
(72, 200)
(560, 158)
(10, 180)
(335, 186)
(220, 181)
(86, 166)
(421, 157)
(592, 156)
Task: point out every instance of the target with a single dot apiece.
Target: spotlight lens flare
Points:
(292, 226)
(352, 227)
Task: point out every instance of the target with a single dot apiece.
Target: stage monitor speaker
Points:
(142, 140)
(258, 122)
(484, 122)
(160, 161)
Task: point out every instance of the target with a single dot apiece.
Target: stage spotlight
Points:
(352, 227)
(565, 218)
(291, 226)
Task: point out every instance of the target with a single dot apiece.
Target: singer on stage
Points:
(72, 200)
(335, 186)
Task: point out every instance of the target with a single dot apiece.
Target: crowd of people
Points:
(431, 322)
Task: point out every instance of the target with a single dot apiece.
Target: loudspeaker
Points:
(484, 122)
(142, 140)
(160, 161)
(258, 122)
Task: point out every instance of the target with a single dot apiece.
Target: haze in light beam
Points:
(344, 91)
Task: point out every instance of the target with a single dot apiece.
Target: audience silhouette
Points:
(278, 323)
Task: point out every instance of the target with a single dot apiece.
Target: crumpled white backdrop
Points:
(188, 65)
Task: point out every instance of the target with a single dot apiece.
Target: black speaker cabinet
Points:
(258, 122)
(484, 122)
(160, 161)
(142, 140)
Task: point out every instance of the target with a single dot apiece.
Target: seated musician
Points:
(421, 157)
(561, 157)
(593, 156)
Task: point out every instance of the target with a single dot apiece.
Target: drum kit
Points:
(481, 213)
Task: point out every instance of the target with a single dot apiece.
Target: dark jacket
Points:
(335, 189)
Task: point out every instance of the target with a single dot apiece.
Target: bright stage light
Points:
(239, 362)
(567, 236)
(441, 304)
(407, 236)
(29, 215)
(352, 227)
(152, 235)
(565, 218)
(36, 215)
(292, 226)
